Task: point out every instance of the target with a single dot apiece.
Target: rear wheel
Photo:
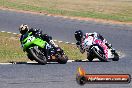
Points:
(62, 59)
(100, 55)
(38, 55)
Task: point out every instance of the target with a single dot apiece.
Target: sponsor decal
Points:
(83, 78)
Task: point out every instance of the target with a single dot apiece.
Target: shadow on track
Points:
(32, 63)
(91, 61)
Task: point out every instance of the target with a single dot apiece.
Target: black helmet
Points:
(23, 28)
(78, 35)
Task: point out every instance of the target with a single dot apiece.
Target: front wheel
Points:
(30, 57)
(100, 55)
(90, 57)
(38, 55)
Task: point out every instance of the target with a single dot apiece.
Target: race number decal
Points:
(31, 38)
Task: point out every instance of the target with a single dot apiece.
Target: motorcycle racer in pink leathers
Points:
(86, 40)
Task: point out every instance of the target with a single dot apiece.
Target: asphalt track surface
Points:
(58, 75)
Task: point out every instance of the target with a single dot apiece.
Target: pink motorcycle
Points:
(98, 49)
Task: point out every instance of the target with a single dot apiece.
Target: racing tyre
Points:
(62, 59)
(90, 57)
(38, 55)
(30, 57)
(100, 55)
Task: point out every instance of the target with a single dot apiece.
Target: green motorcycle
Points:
(36, 50)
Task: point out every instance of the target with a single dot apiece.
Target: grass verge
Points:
(119, 10)
(10, 50)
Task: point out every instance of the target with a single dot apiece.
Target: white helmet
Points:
(23, 28)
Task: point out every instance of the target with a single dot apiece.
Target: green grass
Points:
(11, 51)
(72, 51)
(119, 10)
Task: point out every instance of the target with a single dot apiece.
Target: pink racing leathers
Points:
(89, 40)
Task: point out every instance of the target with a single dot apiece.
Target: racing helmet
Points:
(23, 28)
(78, 35)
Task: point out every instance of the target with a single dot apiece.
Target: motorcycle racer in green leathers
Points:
(23, 29)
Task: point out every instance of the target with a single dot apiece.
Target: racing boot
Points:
(110, 47)
(113, 50)
(54, 46)
(53, 43)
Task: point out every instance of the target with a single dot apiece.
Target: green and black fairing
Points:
(28, 41)
(35, 48)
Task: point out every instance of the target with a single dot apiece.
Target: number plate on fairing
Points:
(29, 39)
